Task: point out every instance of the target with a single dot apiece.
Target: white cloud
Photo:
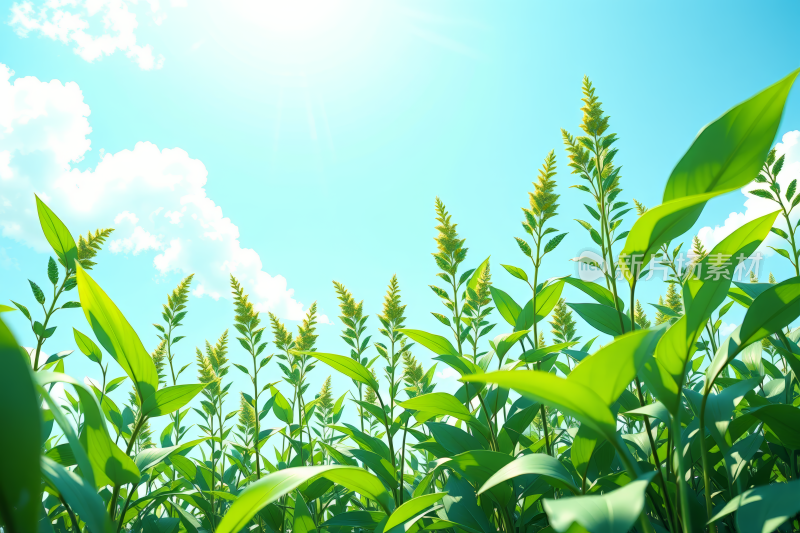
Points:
(756, 207)
(447, 373)
(95, 28)
(155, 198)
(726, 329)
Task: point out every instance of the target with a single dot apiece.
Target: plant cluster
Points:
(667, 427)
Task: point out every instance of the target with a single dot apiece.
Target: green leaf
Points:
(476, 276)
(703, 295)
(281, 407)
(783, 420)
(379, 465)
(57, 235)
(517, 273)
(610, 370)
(438, 403)
(20, 419)
(170, 399)
(111, 465)
(763, 509)
(275, 485)
(537, 464)
(87, 346)
(658, 226)
(729, 152)
(570, 397)
(773, 309)
(81, 496)
(117, 336)
(503, 346)
(302, 523)
(612, 512)
(52, 271)
(596, 291)
(150, 457)
(653, 410)
(453, 439)
(37, 292)
(412, 508)
(461, 507)
(532, 356)
(435, 343)
(355, 519)
(6, 308)
(506, 306)
(348, 366)
(603, 318)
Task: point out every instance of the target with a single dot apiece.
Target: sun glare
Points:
(295, 18)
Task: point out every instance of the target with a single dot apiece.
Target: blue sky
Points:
(327, 129)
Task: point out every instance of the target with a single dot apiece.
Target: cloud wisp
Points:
(154, 198)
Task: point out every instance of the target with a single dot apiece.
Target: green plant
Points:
(665, 427)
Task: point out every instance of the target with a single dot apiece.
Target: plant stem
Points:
(683, 489)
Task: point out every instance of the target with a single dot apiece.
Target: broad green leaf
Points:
(461, 506)
(609, 371)
(367, 442)
(570, 397)
(281, 407)
(111, 465)
(603, 318)
(506, 306)
(117, 336)
(613, 512)
(546, 300)
(150, 457)
(263, 492)
(763, 509)
(20, 419)
(81, 496)
(460, 364)
(377, 464)
(272, 486)
(728, 153)
(653, 410)
(538, 464)
(302, 523)
(508, 341)
(455, 440)
(704, 294)
(783, 420)
(353, 519)
(87, 346)
(170, 399)
(583, 446)
(532, 356)
(516, 272)
(658, 226)
(599, 293)
(773, 309)
(347, 366)
(412, 508)
(62, 454)
(57, 235)
(720, 407)
(438, 403)
(76, 450)
(435, 343)
(738, 456)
